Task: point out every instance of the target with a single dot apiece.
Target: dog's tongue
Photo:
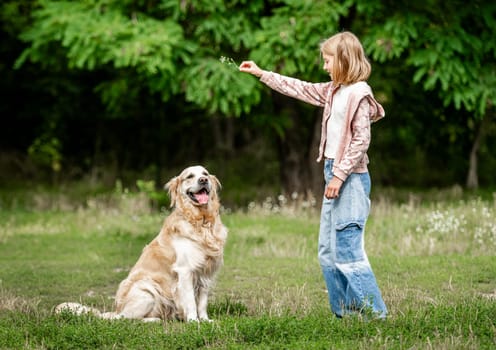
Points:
(202, 197)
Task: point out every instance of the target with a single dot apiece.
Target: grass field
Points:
(433, 255)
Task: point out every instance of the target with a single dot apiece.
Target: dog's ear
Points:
(172, 186)
(216, 182)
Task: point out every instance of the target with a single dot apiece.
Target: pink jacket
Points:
(362, 109)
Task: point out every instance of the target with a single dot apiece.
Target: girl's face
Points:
(328, 63)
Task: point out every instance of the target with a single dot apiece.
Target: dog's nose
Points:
(203, 180)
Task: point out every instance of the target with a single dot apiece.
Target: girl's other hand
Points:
(250, 67)
(332, 189)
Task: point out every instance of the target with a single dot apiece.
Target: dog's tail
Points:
(79, 309)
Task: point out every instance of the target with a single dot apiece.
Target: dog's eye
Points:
(190, 176)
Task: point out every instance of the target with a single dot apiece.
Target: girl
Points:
(349, 109)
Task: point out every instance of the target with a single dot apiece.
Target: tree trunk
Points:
(316, 169)
(294, 177)
(296, 161)
(97, 154)
(473, 177)
(224, 132)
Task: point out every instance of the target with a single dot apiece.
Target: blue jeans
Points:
(350, 281)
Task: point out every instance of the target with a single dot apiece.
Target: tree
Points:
(448, 45)
(153, 69)
(288, 42)
(453, 52)
(140, 49)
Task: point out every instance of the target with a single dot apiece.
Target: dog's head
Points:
(194, 186)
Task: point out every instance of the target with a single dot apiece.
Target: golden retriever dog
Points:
(173, 275)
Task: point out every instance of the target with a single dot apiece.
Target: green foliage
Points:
(93, 34)
(451, 49)
(220, 88)
(124, 41)
(148, 71)
(393, 38)
(288, 41)
(158, 198)
(14, 15)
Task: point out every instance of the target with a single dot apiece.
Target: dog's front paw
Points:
(192, 318)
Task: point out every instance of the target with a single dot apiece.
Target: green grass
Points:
(434, 260)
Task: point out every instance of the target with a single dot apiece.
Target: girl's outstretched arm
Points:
(251, 67)
(308, 92)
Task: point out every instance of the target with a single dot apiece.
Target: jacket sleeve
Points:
(357, 148)
(313, 93)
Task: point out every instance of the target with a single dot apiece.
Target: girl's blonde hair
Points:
(350, 64)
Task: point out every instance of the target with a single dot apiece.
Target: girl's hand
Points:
(250, 67)
(332, 189)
